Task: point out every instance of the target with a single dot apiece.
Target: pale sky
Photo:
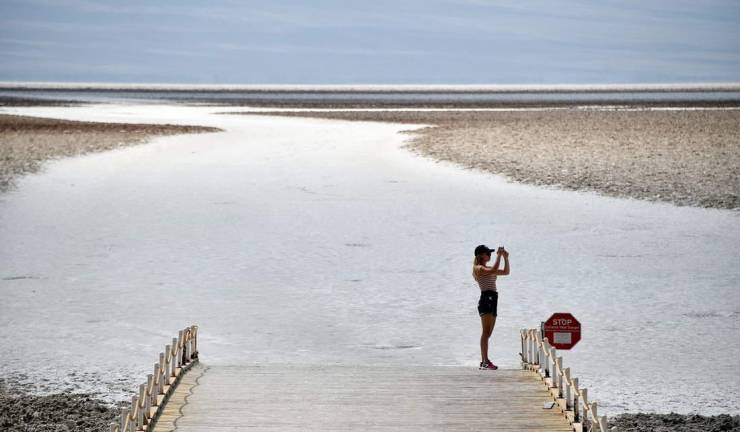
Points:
(383, 42)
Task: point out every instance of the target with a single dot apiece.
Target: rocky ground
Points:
(26, 142)
(687, 157)
(674, 423)
(55, 413)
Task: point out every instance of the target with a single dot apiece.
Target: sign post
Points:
(562, 330)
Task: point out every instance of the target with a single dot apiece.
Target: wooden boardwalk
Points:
(364, 398)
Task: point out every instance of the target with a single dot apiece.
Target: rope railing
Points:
(153, 394)
(541, 357)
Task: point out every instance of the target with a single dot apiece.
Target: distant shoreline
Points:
(378, 88)
(366, 101)
(564, 96)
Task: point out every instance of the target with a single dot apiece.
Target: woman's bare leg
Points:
(490, 332)
(487, 321)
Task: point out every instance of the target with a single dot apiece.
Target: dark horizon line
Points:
(684, 87)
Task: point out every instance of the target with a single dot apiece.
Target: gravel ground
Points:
(673, 423)
(687, 157)
(26, 142)
(55, 413)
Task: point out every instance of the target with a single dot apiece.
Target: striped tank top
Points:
(486, 282)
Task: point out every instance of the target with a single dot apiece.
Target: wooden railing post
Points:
(148, 398)
(568, 403)
(195, 340)
(134, 412)
(173, 359)
(560, 376)
(160, 374)
(124, 419)
(576, 399)
(522, 352)
(594, 415)
(180, 348)
(545, 355)
(166, 368)
(155, 384)
(584, 412)
(552, 358)
(141, 403)
(190, 344)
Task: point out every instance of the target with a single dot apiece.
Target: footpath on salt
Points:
(323, 242)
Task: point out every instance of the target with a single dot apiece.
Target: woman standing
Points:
(488, 303)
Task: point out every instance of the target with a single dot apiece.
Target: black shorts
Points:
(488, 303)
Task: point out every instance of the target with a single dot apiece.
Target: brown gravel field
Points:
(687, 157)
(25, 142)
(644, 422)
(55, 413)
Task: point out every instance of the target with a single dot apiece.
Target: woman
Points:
(488, 303)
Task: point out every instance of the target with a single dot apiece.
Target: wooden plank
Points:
(335, 397)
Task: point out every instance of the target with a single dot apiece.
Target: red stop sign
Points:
(562, 330)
